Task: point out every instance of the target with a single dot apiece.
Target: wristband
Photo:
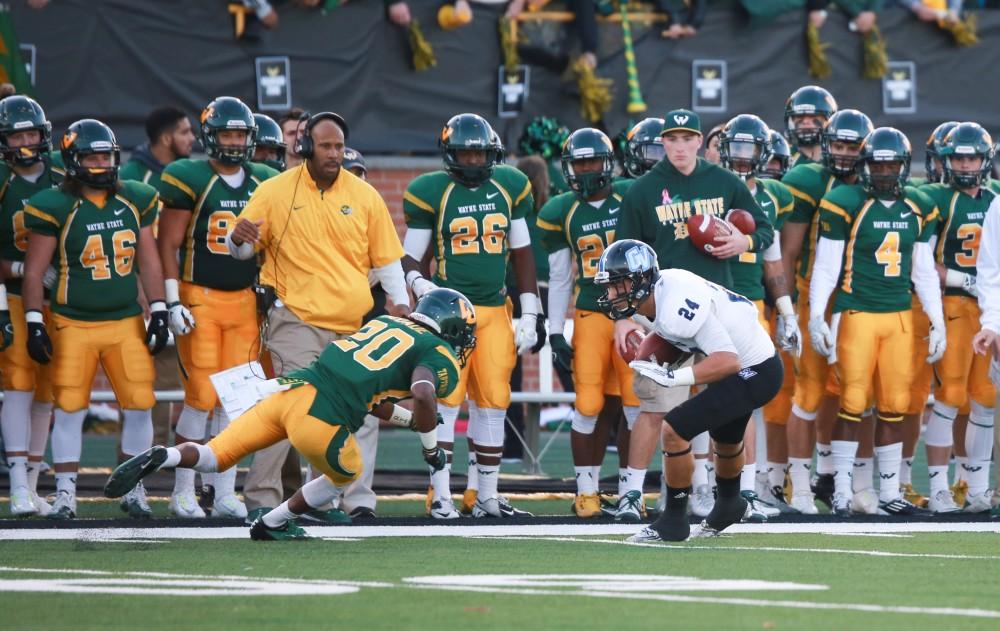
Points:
(17, 269)
(529, 304)
(34, 316)
(411, 276)
(173, 291)
(157, 305)
(954, 278)
(684, 376)
(3, 298)
(784, 306)
(401, 417)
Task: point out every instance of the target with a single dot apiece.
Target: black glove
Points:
(436, 458)
(562, 351)
(157, 331)
(39, 344)
(540, 331)
(6, 330)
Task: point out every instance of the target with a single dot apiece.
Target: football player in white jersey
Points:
(741, 369)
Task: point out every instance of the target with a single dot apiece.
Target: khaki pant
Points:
(167, 378)
(655, 398)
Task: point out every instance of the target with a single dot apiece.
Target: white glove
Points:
(788, 334)
(421, 286)
(969, 285)
(663, 375)
(961, 280)
(820, 336)
(50, 277)
(937, 342)
(272, 386)
(526, 334)
(180, 320)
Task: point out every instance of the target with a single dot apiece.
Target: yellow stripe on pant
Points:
(20, 372)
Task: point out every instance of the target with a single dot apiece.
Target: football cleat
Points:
(64, 507)
(290, 531)
(901, 508)
(134, 503)
(629, 509)
(127, 475)
(42, 508)
(757, 510)
(497, 507)
(468, 501)
(646, 535)
(822, 488)
(444, 508)
(257, 513)
(702, 501)
(865, 502)
(362, 512)
(978, 502)
(332, 517)
(959, 490)
(913, 496)
(804, 502)
(21, 502)
(228, 506)
(704, 531)
(587, 506)
(776, 498)
(943, 502)
(726, 512)
(186, 505)
(841, 505)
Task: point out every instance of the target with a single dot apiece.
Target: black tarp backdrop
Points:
(116, 59)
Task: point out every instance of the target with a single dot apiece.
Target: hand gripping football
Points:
(706, 231)
(649, 346)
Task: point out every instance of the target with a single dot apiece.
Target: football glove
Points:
(436, 458)
(39, 344)
(6, 330)
(969, 285)
(788, 334)
(561, 351)
(421, 286)
(180, 320)
(157, 329)
(540, 332)
(937, 341)
(526, 334)
(662, 375)
(821, 337)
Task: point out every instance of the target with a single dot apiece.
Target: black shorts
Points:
(724, 407)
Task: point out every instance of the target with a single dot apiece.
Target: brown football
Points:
(705, 231)
(741, 220)
(649, 346)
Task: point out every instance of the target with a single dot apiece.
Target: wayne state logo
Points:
(681, 119)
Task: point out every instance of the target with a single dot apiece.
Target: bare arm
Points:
(716, 366)
(524, 270)
(424, 400)
(173, 225)
(150, 270)
(792, 235)
(40, 250)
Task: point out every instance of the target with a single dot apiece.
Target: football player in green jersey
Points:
(171, 137)
(269, 147)
(933, 171)
(874, 242)
(213, 311)
(643, 148)
(577, 226)
(964, 393)
(815, 399)
(471, 216)
(779, 157)
(744, 149)
(28, 167)
(320, 407)
(98, 230)
(807, 111)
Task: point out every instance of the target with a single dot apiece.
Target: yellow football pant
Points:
(777, 410)
(225, 335)
(328, 448)
(814, 379)
(486, 374)
(875, 349)
(118, 345)
(963, 373)
(20, 372)
(923, 372)
(596, 362)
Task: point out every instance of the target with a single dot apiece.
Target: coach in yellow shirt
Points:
(322, 230)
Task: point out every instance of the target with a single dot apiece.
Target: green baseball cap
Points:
(681, 120)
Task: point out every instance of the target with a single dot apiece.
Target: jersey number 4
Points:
(94, 259)
(374, 340)
(465, 234)
(888, 255)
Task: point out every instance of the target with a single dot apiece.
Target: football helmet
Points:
(885, 145)
(743, 145)
(269, 136)
(227, 112)
(967, 139)
(643, 148)
(780, 151)
(586, 144)
(20, 113)
(932, 166)
(469, 132)
(86, 137)
(807, 100)
(849, 126)
(626, 260)
(501, 150)
(451, 316)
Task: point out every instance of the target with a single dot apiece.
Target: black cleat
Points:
(823, 489)
(726, 512)
(901, 508)
(124, 478)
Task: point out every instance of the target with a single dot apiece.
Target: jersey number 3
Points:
(94, 259)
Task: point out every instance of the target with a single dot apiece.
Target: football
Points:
(741, 220)
(705, 231)
(649, 347)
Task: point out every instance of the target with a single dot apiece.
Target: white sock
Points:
(710, 470)
(890, 458)
(15, 420)
(66, 481)
(824, 459)
(748, 477)
(798, 471)
(34, 467)
(961, 466)
(906, 472)
(861, 476)
(843, 464)
(978, 446)
(776, 473)
(585, 483)
(278, 517)
(700, 476)
(441, 481)
(938, 477)
(225, 482)
(173, 459)
(67, 436)
(137, 431)
(622, 481)
(596, 472)
(487, 474)
(636, 478)
(192, 424)
(183, 481)
(473, 474)
(18, 471)
(206, 461)
(41, 420)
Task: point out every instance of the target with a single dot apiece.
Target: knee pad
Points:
(137, 431)
(487, 426)
(981, 415)
(631, 415)
(446, 431)
(583, 424)
(953, 394)
(192, 423)
(802, 414)
(938, 432)
(319, 491)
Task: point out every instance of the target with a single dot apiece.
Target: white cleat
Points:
(42, 508)
(943, 502)
(64, 507)
(804, 502)
(229, 506)
(865, 502)
(702, 501)
(186, 505)
(496, 507)
(135, 504)
(646, 535)
(703, 531)
(444, 508)
(978, 503)
(21, 504)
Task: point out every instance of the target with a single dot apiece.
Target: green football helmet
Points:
(623, 260)
(86, 137)
(587, 144)
(967, 139)
(269, 136)
(808, 100)
(469, 132)
(848, 126)
(501, 150)
(885, 145)
(451, 316)
(643, 147)
(227, 112)
(932, 156)
(743, 145)
(779, 151)
(20, 113)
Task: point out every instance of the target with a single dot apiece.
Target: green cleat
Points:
(259, 531)
(256, 514)
(128, 474)
(332, 517)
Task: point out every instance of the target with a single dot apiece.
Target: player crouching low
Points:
(319, 408)
(741, 369)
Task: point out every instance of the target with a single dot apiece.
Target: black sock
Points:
(677, 500)
(728, 487)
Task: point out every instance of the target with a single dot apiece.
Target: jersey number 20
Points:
(373, 338)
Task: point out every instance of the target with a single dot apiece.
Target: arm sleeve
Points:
(519, 236)
(560, 288)
(416, 241)
(925, 282)
(391, 278)
(988, 269)
(773, 251)
(713, 338)
(825, 272)
(383, 242)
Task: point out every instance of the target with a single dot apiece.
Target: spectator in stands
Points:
(932, 11)
(585, 22)
(298, 219)
(683, 16)
(170, 138)
(291, 126)
(862, 12)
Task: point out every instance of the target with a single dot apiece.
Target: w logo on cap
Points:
(680, 119)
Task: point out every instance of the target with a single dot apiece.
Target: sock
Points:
(843, 464)
(173, 459)
(748, 477)
(700, 477)
(677, 500)
(776, 473)
(15, 420)
(622, 481)
(183, 481)
(861, 476)
(225, 483)
(635, 479)
(585, 483)
(596, 472)
(710, 470)
(34, 467)
(473, 474)
(278, 517)
(798, 470)
(978, 446)
(890, 458)
(487, 474)
(206, 460)
(137, 431)
(18, 471)
(961, 463)
(192, 424)
(441, 481)
(906, 472)
(938, 475)
(824, 459)
(67, 436)
(728, 487)
(66, 482)
(41, 420)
